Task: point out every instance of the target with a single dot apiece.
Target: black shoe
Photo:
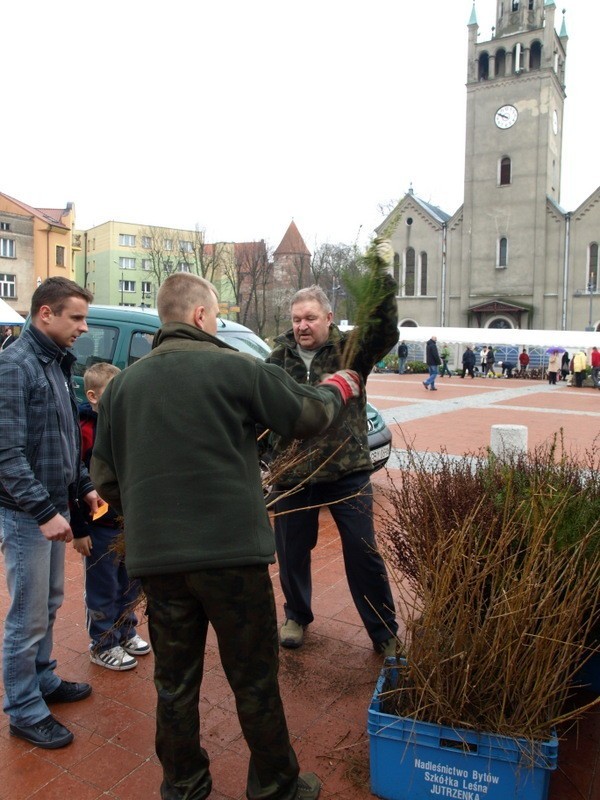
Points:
(433, 389)
(47, 733)
(309, 786)
(67, 692)
(426, 385)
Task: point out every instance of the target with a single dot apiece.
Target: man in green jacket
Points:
(176, 454)
(333, 470)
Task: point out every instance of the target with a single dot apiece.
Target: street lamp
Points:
(591, 287)
(334, 290)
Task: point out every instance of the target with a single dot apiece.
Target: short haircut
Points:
(55, 292)
(98, 375)
(181, 293)
(309, 294)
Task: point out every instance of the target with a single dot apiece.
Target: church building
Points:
(510, 256)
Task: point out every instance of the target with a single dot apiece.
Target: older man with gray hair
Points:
(333, 470)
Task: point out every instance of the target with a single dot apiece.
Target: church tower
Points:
(515, 103)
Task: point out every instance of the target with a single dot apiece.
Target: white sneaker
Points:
(136, 646)
(116, 658)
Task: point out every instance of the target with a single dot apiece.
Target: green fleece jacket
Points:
(176, 450)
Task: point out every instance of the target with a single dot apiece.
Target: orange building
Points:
(35, 244)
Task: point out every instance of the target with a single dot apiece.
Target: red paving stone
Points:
(326, 686)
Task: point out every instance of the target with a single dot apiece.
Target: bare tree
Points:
(201, 258)
(280, 307)
(158, 254)
(249, 274)
(298, 266)
(329, 264)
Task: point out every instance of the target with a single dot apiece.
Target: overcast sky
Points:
(236, 117)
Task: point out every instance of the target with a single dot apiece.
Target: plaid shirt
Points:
(32, 469)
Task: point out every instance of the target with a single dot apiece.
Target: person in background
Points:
(445, 355)
(489, 363)
(197, 530)
(595, 361)
(507, 368)
(579, 368)
(553, 367)
(110, 594)
(433, 361)
(334, 470)
(565, 365)
(523, 362)
(468, 362)
(7, 337)
(402, 356)
(483, 362)
(40, 472)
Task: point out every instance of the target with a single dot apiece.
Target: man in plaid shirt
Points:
(40, 474)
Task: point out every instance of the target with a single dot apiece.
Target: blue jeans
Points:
(401, 364)
(433, 373)
(35, 572)
(110, 595)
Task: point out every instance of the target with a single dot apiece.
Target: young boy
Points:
(110, 595)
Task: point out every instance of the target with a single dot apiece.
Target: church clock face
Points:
(505, 117)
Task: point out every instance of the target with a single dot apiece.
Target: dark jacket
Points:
(432, 356)
(176, 451)
(402, 351)
(345, 448)
(468, 358)
(81, 517)
(490, 357)
(32, 468)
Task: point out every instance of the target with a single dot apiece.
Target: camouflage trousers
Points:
(238, 602)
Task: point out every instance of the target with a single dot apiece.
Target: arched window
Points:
(409, 273)
(503, 252)
(515, 5)
(500, 62)
(531, 5)
(397, 268)
(500, 322)
(484, 67)
(535, 55)
(423, 273)
(505, 171)
(592, 272)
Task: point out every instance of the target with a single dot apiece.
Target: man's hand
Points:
(93, 500)
(347, 381)
(83, 545)
(57, 529)
(384, 251)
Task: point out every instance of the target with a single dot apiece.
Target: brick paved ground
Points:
(327, 684)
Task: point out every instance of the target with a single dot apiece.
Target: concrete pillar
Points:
(508, 440)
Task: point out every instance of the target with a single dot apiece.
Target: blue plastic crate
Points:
(413, 760)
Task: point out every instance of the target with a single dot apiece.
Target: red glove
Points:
(347, 381)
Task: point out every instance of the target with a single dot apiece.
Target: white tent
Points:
(515, 337)
(8, 316)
